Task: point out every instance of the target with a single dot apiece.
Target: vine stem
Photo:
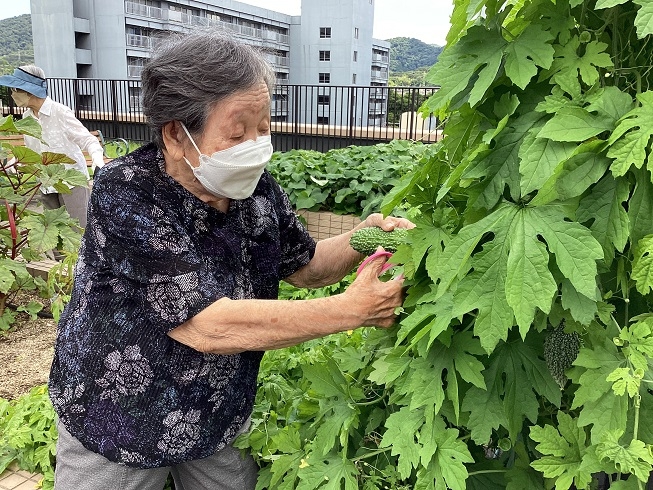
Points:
(371, 453)
(637, 401)
(483, 472)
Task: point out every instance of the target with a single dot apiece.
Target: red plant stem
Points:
(11, 209)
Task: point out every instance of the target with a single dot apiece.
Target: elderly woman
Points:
(175, 295)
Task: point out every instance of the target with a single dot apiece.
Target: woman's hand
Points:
(387, 224)
(373, 299)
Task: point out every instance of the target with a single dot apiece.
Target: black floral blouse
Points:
(153, 256)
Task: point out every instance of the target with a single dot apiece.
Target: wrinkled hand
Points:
(375, 300)
(388, 224)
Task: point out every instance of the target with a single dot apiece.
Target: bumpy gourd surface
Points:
(560, 351)
(367, 240)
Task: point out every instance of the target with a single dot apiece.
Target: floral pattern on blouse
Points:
(152, 257)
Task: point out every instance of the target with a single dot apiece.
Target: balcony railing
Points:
(143, 10)
(278, 60)
(139, 41)
(303, 116)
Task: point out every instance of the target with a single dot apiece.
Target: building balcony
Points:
(278, 60)
(83, 56)
(139, 41)
(134, 71)
(144, 10)
(190, 20)
(379, 76)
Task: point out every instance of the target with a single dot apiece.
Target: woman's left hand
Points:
(387, 224)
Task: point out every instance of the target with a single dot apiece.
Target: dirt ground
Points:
(25, 355)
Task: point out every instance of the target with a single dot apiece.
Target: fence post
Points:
(114, 109)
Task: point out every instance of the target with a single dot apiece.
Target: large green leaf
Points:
(572, 177)
(605, 209)
(27, 125)
(530, 50)
(573, 245)
(539, 158)
(515, 375)
(640, 207)
(643, 264)
(575, 124)
(333, 473)
(529, 282)
(572, 63)
(500, 167)
(644, 19)
(402, 427)
(630, 140)
(443, 456)
(566, 457)
(635, 458)
(478, 55)
(601, 407)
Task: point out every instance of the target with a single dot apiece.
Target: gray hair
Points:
(188, 74)
(33, 70)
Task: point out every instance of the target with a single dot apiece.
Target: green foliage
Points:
(407, 53)
(534, 211)
(16, 43)
(26, 233)
(412, 78)
(352, 180)
(28, 434)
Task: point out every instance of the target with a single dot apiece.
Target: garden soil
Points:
(26, 353)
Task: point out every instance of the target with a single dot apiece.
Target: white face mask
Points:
(234, 172)
(20, 98)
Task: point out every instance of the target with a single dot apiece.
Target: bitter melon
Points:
(367, 240)
(560, 351)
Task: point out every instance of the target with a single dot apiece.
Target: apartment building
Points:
(329, 46)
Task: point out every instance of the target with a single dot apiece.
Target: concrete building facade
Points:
(330, 46)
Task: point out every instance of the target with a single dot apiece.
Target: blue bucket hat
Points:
(27, 82)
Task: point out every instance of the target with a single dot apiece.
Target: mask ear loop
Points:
(190, 137)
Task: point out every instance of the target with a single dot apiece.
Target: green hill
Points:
(15, 43)
(408, 54)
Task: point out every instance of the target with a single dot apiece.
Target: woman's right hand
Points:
(374, 300)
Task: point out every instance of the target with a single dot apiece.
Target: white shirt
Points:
(63, 133)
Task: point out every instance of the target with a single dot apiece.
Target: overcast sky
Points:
(426, 20)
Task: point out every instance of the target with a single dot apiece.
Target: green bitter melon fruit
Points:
(367, 240)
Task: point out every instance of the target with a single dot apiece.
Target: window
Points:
(325, 55)
(355, 55)
(323, 100)
(355, 33)
(322, 120)
(353, 79)
(325, 78)
(325, 32)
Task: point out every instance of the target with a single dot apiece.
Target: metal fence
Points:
(316, 117)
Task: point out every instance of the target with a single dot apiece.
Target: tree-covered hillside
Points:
(15, 43)
(407, 54)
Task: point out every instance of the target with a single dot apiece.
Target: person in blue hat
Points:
(62, 132)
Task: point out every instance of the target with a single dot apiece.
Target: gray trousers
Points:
(77, 468)
(76, 203)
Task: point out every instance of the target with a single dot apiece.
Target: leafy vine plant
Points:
(28, 232)
(523, 356)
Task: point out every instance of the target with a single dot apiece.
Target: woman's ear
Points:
(173, 139)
